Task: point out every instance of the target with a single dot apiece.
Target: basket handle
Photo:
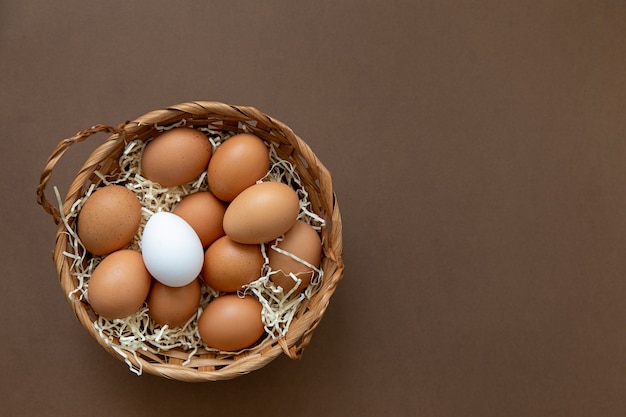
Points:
(54, 158)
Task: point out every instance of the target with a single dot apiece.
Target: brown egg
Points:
(231, 323)
(176, 156)
(204, 213)
(303, 242)
(173, 306)
(109, 219)
(239, 162)
(229, 265)
(261, 213)
(119, 285)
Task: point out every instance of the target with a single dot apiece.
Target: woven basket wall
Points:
(207, 366)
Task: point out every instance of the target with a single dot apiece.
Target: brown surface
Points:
(478, 152)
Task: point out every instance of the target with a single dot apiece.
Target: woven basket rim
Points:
(227, 117)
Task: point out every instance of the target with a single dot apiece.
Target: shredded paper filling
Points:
(138, 332)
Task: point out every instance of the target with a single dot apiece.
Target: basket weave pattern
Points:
(206, 365)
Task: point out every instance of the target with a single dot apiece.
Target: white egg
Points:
(171, 250)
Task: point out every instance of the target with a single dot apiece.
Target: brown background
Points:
(478, 150)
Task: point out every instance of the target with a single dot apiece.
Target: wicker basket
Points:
(206, 365)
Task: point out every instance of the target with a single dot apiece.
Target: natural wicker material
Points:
(207, 366)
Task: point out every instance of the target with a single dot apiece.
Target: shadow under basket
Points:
(205, 364)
